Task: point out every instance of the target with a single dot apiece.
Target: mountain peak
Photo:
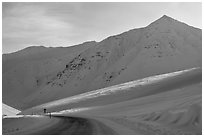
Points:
(165, 17)
(163, 20)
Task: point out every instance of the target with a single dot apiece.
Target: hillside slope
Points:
(165, 45)
(163, 104)
(28, 70)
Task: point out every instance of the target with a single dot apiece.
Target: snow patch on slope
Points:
(9, 111)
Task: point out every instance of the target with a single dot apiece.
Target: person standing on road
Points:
(45, 110)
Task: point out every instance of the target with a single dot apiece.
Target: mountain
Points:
(38, 75)
(25, 71)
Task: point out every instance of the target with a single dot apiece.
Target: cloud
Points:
(30, 25)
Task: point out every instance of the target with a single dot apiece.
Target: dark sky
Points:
(67, 24)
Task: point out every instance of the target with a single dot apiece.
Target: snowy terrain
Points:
(123, 92)
(143, 81)
(39, 74)
(9, 111)
(174, 110)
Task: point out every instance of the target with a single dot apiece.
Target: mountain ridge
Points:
(161, 47)
(162, 17)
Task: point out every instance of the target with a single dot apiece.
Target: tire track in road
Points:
(76, 126)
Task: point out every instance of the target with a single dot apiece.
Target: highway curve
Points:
(64, 126)
(76, 126)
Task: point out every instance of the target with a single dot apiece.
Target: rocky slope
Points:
(38, 75)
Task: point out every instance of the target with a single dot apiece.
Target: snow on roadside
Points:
(9, 111)
(116, 88)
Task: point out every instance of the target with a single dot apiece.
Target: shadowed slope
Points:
(164, 46)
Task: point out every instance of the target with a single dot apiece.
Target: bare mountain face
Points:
(38, 75)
